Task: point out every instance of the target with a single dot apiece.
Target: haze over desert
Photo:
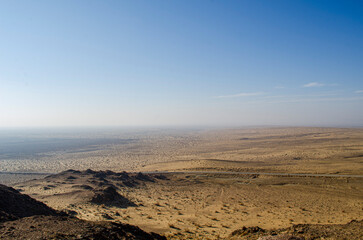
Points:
(161, 120)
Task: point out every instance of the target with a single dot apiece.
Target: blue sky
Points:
(181, 63)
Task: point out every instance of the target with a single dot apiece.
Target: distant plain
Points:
(288, 150)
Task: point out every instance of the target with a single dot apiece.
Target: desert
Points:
(173, 120)
(246, 183)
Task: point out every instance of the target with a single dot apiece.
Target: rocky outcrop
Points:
(57, 227)
(352, 230)
(110, 196)
(14, 205)
(22, 217)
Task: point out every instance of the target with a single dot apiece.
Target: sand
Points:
(299, 150)
(212, 205)
(207, 205)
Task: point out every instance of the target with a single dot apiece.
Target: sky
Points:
(181, 63)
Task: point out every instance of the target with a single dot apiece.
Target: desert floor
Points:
(195, 201)
(292, 150)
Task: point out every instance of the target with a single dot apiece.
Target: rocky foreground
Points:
(22, 217)
(63, 227)
(352, 230)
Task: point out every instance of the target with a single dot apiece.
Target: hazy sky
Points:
(181, 63)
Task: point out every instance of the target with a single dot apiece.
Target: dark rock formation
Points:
(15, 205)
(56, 227)
(22, 217)
(143, 177)
(109, 196)
(351, 230)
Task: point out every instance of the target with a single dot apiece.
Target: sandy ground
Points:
(11, 178)
(302, 150)
(293, 150)
(209, 206)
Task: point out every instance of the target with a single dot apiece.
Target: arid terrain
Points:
(211, 184)
(292, 150)
(192, 205)
(22, 217)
